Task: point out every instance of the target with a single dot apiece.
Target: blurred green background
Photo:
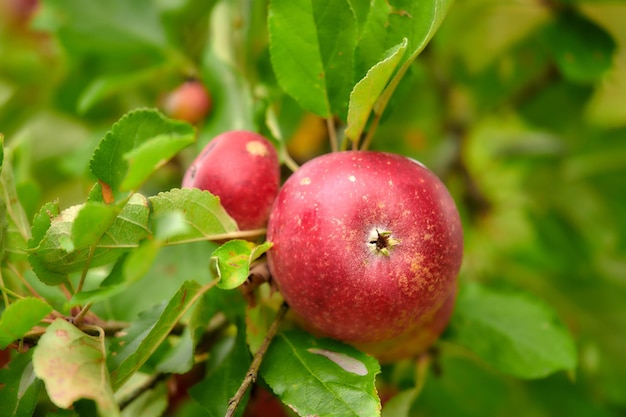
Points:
(519, 105)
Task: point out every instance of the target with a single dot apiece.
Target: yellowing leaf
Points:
(72, 366)
(233, 260)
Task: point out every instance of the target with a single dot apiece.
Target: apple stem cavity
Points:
(380, 241)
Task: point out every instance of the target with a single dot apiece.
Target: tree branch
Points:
(256, 362)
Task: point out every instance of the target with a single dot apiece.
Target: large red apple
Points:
(242, 169)
(367, 248)
(415, 340)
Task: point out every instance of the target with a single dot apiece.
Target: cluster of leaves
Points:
(125, 291)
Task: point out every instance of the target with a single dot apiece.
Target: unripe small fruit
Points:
(242, 169)
(367, 248)
(190, 102)
(18, 12)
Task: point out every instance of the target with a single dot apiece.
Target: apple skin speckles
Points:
(242, 169)
(343, 281)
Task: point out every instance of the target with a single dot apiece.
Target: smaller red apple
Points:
(18, 12)
(190, 102)
(242, 169)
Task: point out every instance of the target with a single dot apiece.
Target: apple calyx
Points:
(380, 241)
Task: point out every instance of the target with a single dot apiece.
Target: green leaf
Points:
(20, 317)
(133, 266)
(373, 40)
(151, 403)
(233, 260)
(464, 386)
(136, 138)
(418, 21)
(227, 367)
(128, 269)
(390, 21)
(321, 377)
(108, 85)
(1, 151)
(400, 404)
(260, 316)
(41, 224)
(14, 224)
(205, 217)
(514, 332)
(141, 340)
(72, 366)
(56, 254)
(367, 91)
(151, 155)
(115, 28)
(582, 50)
(180, 357)
(228, 88)
(312, 47)
(19, 387)
(91, 222)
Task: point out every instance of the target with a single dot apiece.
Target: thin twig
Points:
(288, 160)
(67, 288)
(239, 234)
(383, 101)
(421, 371)
(5, 291)
(23, 280)
(83, 275)
(259, 274)
(332, 133)
(256, 362)
(78, 319)
(370, 133)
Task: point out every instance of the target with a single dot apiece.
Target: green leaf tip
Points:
(513, 331)
(138, 144)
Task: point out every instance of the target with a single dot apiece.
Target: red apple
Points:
(264, 404)
(18, 12)
(190, 102)
(367, 246)
(415, 341)
(5, 357)
(242, 169)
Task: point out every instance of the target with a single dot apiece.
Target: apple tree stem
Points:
(256, 362)
(288, 160)
(332, 134)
